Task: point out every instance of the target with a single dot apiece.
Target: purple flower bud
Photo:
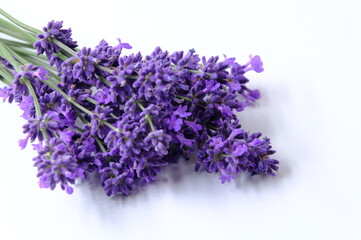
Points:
(239, 150)
(24, 142)
(175, 123)
(181, 111)
(225, 176)
(254, 64)
(184, 141)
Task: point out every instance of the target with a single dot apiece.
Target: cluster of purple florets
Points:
(126, 117)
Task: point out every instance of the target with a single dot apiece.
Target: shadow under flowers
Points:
(180, 178)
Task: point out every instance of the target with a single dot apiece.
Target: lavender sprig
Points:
(126, 117)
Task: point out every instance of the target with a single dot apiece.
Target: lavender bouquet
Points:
(122, 117)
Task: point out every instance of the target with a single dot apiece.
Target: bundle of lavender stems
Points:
(124, 118)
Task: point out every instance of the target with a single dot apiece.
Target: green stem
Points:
(25, 52)
(64, 47)
(14, 54)
(61, 56)
(20, 24)
(33, 94)
(91, 100)
(147, 116)
(191, 71)
(105, 69)
(7, 77)
(140, 105)
(3, 80)
(50, 70)
(109, 70)
(12, 34)
(29, 59)
(113, 116)
(10, 27)
(211, 127)
(16, 43)
(51, 83)
(104, 81)
(36, 103)
(100, 144)
(149, 120)
(110, 126)
(69, 99)
(185, 98)
(6, 54)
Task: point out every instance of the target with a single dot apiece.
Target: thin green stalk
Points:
(149, 120)
(26, 52)
(140, 105)
(105, 69)
(185, 98)
(26, 61)
(109, 70)
(13, 28)
(20, 24)
(33, 94)
(53, 84)
(69, 99)
(41, 63)
(100, 144)
(13, 34)
(3, 80)
(190, 70)
(54, 77)
(91, 100)
(211, 127)
(61, 56)
(113, 116)
(195, 71)
(81, 117)
(16, 43)
(7, 77)
(64, 47)
(147, 116)
(110, 126)
(7, 55)
(104, 81)
(36, 103)
(131, 77)
(14, 54)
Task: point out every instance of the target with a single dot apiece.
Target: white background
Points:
(310, 108)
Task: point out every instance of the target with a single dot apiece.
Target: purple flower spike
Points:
(46, 45)
(56, 165)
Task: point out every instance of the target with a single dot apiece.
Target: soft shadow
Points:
(256, 183)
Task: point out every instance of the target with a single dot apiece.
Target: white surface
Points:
(310, 109)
